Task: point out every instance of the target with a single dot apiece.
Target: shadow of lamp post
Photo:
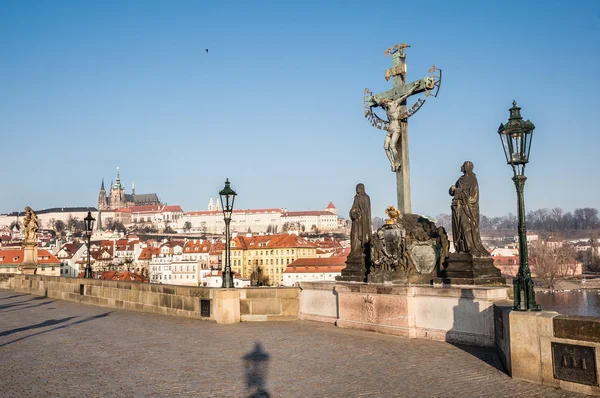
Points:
(257, 363)
(516, 136)
(227, 198)
(89, 227)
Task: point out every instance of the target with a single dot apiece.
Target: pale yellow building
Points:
(270, 252)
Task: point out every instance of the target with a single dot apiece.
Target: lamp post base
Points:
(227, 280)
(524, 294)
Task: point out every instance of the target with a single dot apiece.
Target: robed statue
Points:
(465, 213)
(30, 225)
(360, 214)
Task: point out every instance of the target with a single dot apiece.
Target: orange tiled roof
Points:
(271, 242)
(175, 208)
(122, 276)
(147, 253)
(308, 213)
(312, 265)
(198, 247)
(16, 256)
(330, 206)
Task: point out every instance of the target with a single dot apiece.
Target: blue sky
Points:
(276, 104)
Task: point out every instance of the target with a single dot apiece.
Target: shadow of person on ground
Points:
(29, 306)
(13, 296)
(20, 303)
(468, 319)
(49, 322)
(256, 364)
(84, 320)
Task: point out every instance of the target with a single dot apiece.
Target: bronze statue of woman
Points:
(360, 214)
(465, 213)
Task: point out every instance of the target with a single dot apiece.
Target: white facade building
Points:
(313, 270)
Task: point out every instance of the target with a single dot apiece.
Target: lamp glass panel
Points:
(503, 140)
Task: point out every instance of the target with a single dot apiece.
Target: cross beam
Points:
(400, 89)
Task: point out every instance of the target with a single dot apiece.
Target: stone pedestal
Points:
(457, 314)
(30, 256)
(354, 272)
(227, 306)
(464, 269)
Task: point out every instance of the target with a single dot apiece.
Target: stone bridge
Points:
(53, 347)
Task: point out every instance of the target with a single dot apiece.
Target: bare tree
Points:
(259, 278)
(551, 262)
(15, 224)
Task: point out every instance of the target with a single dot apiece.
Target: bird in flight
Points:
(206, 49)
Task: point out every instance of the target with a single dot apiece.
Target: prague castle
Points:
(117, 198)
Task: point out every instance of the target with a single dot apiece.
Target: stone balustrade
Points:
(220, 305)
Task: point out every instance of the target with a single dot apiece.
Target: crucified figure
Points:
(396, 125)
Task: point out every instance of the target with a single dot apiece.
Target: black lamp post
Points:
(89, 227)
(516, 138)
(227, 198)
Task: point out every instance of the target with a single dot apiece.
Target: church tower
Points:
(117, 193)
(102, 205)
(211, 205)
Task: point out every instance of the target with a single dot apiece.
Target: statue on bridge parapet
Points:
(407, 249)
(30, 244)
(30, 225)
(471, 263)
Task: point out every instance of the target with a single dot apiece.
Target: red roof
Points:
(330, 206)
(312, 265)
(175, 208)
(308, 213)
(122, 276)
(198, 247)
(16, 256)
(147, 253)
(271, 242)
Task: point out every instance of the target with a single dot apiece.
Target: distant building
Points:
(116, 197)
(313, 270)
(509, 266)
(270, 220)
(11, 259)
(270, 252)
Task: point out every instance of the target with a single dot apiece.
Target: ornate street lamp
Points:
(227, 198)
(89, 227)
(516, 138)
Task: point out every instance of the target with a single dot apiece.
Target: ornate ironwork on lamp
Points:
(89, 227)
(516, 136)
(227, 198)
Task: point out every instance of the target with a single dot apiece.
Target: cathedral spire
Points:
(102, 186)
(118, 181)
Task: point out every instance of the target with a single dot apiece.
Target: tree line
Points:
(554, 220)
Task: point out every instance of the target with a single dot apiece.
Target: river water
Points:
(574, 302)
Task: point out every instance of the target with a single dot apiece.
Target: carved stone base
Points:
(464, 269)
(28, 269)
(354, 272)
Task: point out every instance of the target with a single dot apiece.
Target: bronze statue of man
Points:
(465, 213)
(360, 214)
(396, 125)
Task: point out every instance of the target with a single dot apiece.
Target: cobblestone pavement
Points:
(56, 348)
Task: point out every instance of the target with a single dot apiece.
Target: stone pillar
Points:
(227, 306)
(30, 257)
